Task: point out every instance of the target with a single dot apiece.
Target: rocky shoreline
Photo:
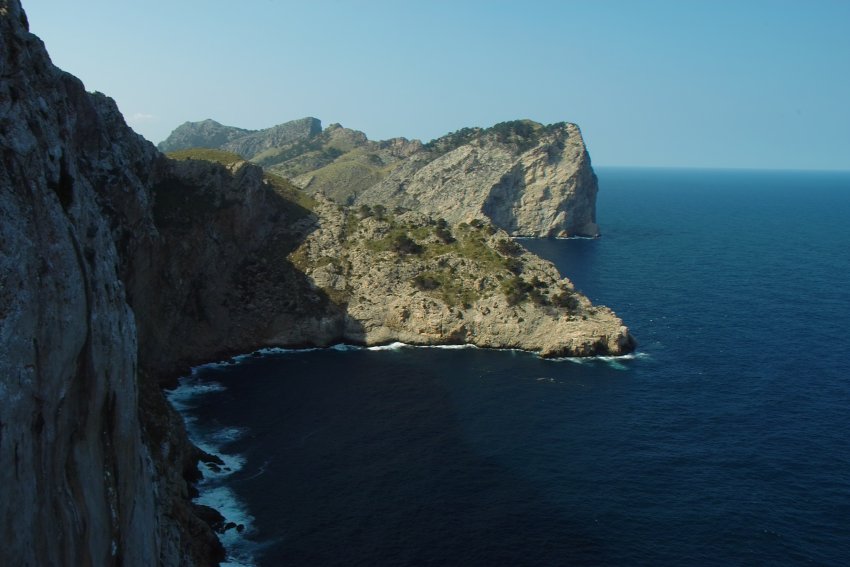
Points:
(120, 268)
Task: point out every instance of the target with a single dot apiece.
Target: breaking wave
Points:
(212, 489)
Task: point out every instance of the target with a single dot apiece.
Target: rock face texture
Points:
(530, 181)
(211, 134)
(203, 134)
(412, 279)
(80, 484)
(120, 267)
(526, 178)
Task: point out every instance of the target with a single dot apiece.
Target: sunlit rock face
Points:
(535, 181)
(527, 178)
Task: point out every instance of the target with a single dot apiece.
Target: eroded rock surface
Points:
(407, 277)
(526, 178)
(119, 267)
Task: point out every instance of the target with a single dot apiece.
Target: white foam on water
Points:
(280, 350)
(615, 362)
(232, 462)
(212, 366)
(342, 347)
(398, 346)
(188, 389)
(239, 549)
(211, 488)
(391, 346)
(227, 435)
(451, 347)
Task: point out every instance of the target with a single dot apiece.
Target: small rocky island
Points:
(120, 267)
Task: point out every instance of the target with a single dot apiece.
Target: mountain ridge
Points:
(527, 178)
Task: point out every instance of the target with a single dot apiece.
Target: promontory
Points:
(120, 267)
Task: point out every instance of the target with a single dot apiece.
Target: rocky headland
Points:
(526, 178)
(120, 267)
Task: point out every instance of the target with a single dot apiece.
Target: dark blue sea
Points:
(725, 440)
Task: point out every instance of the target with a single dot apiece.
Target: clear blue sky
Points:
(760, 84)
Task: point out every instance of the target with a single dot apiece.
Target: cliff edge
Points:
(120, 267)
(526, 178)
(80, 485)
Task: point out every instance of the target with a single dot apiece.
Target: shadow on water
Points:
(221, 272)
(576, 259)
(375, 458)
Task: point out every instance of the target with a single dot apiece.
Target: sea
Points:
(723, 440)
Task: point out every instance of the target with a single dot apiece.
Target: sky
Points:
(714, 84)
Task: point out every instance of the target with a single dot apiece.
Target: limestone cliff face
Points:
(93, 464)
(412, 279)
(550, 189)
(526, 178)
(547, 189)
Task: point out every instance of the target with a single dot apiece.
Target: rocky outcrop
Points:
(80, 485)
(203, 134)
(412, 279)
(534, 181)
(249, 143)
(119, 267)
(526, 178)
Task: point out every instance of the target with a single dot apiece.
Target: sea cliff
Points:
(526, 178)
(120, 267)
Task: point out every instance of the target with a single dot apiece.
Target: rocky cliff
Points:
(407, 277)
(80, 485)
(526, 178)
(211, 134)
(119, 267)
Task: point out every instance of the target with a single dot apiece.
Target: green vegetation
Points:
(207, 154)
(458, 265)
(290, 192)
(445, 284)
(280, 154)
(565, 299)
(524, 134)
(343, 178)
(453, 140)
(298, 203)
(443, 233)
(508, 247)
(516, 290)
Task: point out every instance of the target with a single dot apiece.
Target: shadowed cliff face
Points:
(78, 486)
(117, 267)
(120, 267)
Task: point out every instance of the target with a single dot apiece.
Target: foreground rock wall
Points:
(118, 268)
(83, 483)
(78, 482)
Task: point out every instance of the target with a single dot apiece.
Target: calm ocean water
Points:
(724, 441)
